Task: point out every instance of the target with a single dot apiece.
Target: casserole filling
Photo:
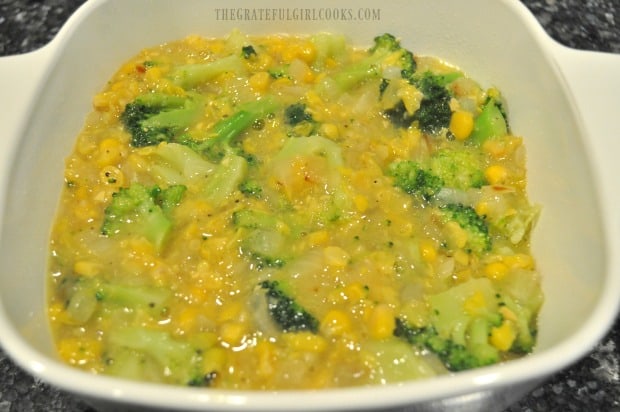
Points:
(286, 212)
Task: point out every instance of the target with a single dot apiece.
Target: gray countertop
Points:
(593, 384)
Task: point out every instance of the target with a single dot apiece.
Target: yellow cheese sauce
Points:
(285, 212)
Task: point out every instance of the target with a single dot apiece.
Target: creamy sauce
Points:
(329, 223)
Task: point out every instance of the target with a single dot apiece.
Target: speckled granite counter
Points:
(592, 384)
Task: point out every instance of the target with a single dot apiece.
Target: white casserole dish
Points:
(563, 101)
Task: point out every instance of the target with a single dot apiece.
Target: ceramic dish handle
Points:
(20, 78)
(594, 79)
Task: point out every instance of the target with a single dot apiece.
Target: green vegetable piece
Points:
(138, 210)
(285, 311)
(153, 118)
(193, 75)
(412, 179)
(490, 123)
(179, 359)
(478, 238)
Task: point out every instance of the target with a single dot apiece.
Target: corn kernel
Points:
(265, 352)
(110, 152)
(507, 314)
(482, 208)
(232, 333)
(112, 176)
(495, 174)
(495, 270)
(381, 322)
(79, 351)
(354, 291)
(102, 101)
(259, 82)
(474, 303)
(361, 203)
(187, 319)
(214, 359)
(305, 341)
(462, 258)
(503, 336)
(336, 256)
(153, 74)
(319, 237)
(493, 93)
(313, 98)
(461, 124)
(230, 311)
(307, 52)
(456, 234)
(56, 311)
(520, 261)
(329, 130)
(462, 275)
(428, 251)
(335, 323)
(410, 96)
(87, 268)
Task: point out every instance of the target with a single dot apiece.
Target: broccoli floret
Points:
(220, 147)
(525, 328)
(232, 168)
(455, 357)
(335, 201)
(279, 72)
(251, 188)
(385, 53)
(215, 165)
(192, 75)
(461, 323)
(434, 112)
(248, 52)
(458, 169)
(399, 116)
(517, 226)
(181, 361)
(405, 58)
(157, 117)
(179, 164)
(297, 113)
(262, 238)
(143, 211)
(491, 122)
(328, 46)
(302, 122)
(478, 238)
(285, 311)
(411, 178)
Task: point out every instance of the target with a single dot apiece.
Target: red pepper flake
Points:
(140, 68)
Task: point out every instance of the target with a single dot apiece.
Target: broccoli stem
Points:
(179, 359)
(191, 75)
(225, 179)
(224, 131)
(132, 296)
(181, 111)
(155, 117)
